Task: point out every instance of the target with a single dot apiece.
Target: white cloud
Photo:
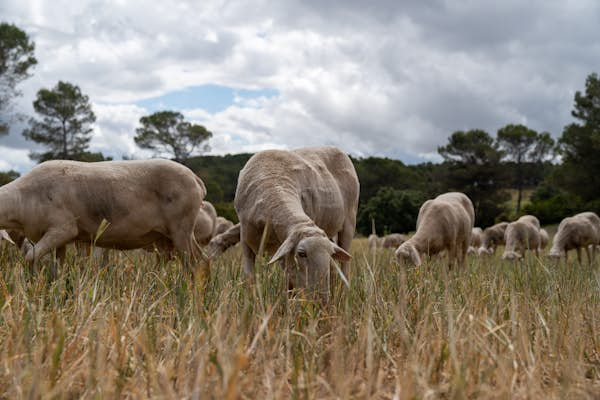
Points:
(384, 78)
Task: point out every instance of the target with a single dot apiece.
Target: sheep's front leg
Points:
(345, 237)
(54, 238)
(587, 252)
(249, 258)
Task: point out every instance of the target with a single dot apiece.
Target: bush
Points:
(551, 206)
(393, 211)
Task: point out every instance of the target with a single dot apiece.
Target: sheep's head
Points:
(485, 251)
(554, 254)
(406, 252)
(313, 253)
(511, 255)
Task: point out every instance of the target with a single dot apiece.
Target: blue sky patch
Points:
(212, 98)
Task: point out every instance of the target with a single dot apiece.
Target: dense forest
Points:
(392, 192)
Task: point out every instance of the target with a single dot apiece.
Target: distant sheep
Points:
(393, 240)
(205, 223)
(476, 236)
(492, 237)
(544, 239)
(374, 241)
(222, 225)
(390, 241)
(444, 223)
(575, 233)
(520, 236)
(221, 242)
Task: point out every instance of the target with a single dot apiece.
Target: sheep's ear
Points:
(414, 256)
(4, 236)
(286, 247)
(340, 254)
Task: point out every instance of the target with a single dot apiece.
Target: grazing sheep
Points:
(393, 240)
(444, 223)
(592, 217)
(544, 239)
(531, 219)
(476, 234)
(221, 242)
(520, 236)
(302, 198)
(575, 233)
(205, 223)
(492, 237)
(374, 241)
(222, 225)
(59, 202)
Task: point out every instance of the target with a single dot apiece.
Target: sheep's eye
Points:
(301, 253)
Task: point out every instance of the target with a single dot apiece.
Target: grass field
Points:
(139, 329)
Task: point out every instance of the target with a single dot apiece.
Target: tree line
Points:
(563, 176)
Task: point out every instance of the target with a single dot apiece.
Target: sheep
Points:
(302, 198)
(575, 233)
(476, 234)
(531, 219)
(492, 237)
(206, 222)
(221, 242)
(221, 225)
(444, 223)
(544, 239)
(592, 217)
(144, 201)
(393, 240)
(520, 236)
(374, 241)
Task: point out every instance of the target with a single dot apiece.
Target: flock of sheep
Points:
(300, 206)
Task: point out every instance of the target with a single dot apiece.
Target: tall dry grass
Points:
(139, 328)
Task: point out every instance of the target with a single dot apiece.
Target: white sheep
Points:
(444, 223)
(476, 236)
(520, 236)
(492, 237)
(544, 238)
(393, 240)
(575, 233)
(222, 225)
(302, 198)
(145, 201)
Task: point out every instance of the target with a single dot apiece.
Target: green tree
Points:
(580, 144)
(166, 132)
(393, 211)
(472, 166)
(8, 176)
(522, 145)
(65, 127)
(16, 61)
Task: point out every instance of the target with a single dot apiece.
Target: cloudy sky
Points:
(386, 78)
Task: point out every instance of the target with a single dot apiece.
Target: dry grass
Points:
(138, 329)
